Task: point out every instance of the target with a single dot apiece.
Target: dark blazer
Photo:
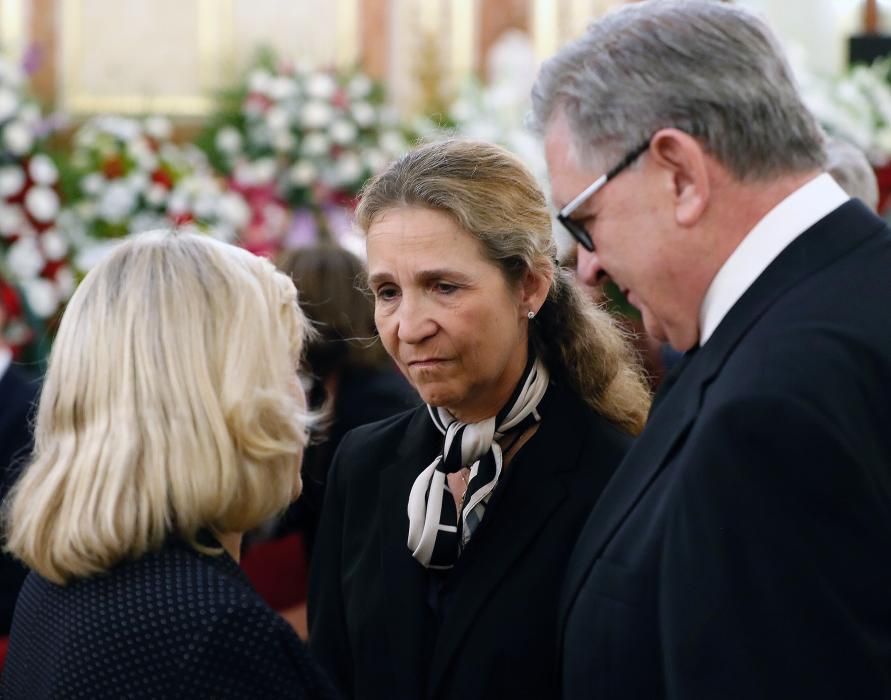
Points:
(371, 624)
(174, 623)
(18, 397)
(742, 549)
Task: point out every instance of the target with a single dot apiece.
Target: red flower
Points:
(162, 177)
(113, 167)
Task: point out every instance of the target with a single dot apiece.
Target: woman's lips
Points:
(427, 363)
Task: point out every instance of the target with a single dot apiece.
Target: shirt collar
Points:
(770, 236)
(5, 360)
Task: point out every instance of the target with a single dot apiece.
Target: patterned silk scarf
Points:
(436, 532)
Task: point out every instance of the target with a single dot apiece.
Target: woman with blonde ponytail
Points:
(171, 421)
(446, 530)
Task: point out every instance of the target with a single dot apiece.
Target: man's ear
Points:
(684, 158)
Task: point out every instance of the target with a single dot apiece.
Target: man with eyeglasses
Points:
(742, 548)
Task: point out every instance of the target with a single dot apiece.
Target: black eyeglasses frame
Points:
(576, 230)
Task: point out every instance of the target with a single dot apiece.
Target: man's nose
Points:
(588, 268)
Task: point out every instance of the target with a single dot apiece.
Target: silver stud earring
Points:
(530, 315)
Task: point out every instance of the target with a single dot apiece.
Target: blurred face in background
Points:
(446, 314)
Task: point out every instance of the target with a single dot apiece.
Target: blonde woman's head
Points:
(171, 405)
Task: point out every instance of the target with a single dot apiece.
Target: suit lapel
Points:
(405, 578)
(534, 491)
(829, 239)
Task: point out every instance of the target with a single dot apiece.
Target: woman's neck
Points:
(231, 542)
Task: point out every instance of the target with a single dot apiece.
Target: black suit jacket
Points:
(173, 624)
(742, 549)
(18, 396)
(371, 624)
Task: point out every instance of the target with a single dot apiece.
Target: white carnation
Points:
(11, 220)
(364, 114)
(277, 118)
(259, 81)
(343, 132)
(12, 179)
(264, 170)
(54, 244)
(178, 204)
(302, 173)
(359, 86)
(320, 86)
(349, 169)
(316, 115)
(315, 144)
(25, 258)
(117, 202)
(9, 104)
(233, 210)
(65, 283)
(282, 88)
(93, 184)
(393, 143)
(17, 138)
(42, 297)
(42, 203)
(228, 140)
(283, 141)
(42, 170)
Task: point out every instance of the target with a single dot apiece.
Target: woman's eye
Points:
(385, 293)
(445, 287)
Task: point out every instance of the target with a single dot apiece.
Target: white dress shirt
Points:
(770, 236)
(5, 360)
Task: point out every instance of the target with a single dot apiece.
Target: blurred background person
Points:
(350, 380)
(851, 169)
(446, 530)
(171, 421)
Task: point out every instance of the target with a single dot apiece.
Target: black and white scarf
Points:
(436, 532)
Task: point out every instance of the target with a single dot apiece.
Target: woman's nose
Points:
(415, 321)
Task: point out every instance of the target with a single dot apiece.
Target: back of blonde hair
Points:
(492, 196)
(171, 404)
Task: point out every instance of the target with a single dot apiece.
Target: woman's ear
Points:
(534, 287)
(685, 161)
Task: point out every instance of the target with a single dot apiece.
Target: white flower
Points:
(283, 141)
(359, 86)
(117, 202)
(393, 143)
(205, 206)
(11, 219)
(11, 73)
(228, 140)
(348, 169)
(233, 210)
(314, 144)
(147, 221)
(138, 181)
(65, 283)
(320, 86)
(158, 128)
(259, 81)
(42, 297)
(142, 153)
(243, 174)
(364, 114)
(156, 195)
(316, 115)
(282, 88)
(277, 118)
(54, 244)
(30, 114)
(24, 258)
(9, 104)
(302, 173)
(93, 184)
(42, 170)
(375, 160)
(12, 179)
(263, 171)
(42, 203)
(17, 138)
(178, 204)
(343, 132)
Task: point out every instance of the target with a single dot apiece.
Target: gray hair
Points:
(851, 169)
(712, 70)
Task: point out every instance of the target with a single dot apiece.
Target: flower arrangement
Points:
(298, 144)
(126, 176)
(855, 107)
(33, 253)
